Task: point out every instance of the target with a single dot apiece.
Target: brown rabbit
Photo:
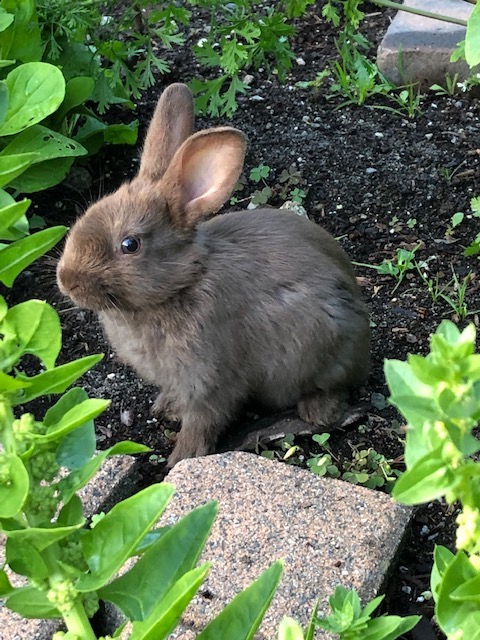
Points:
(259, 305)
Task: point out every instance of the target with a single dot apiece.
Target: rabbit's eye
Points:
(131, 244)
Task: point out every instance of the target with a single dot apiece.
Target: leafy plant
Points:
(450, 88)
(44, 463)
(405, 261)
(439, 397)
(350, 621)
(243, 35)
(456, 296)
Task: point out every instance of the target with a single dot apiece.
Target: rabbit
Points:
(258, 305)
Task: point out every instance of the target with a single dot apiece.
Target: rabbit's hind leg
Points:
(323, 408)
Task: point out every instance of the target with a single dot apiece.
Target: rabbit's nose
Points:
(67, 279)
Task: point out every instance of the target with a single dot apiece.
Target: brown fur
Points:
(257, 305)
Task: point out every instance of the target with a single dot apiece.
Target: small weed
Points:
(260, 173)
(411, 223)
(455, 220)
(457, 296)
(405, 261)
(448, 173)
(432, 283)
(298, 195)
(370, 469)
(450, 88)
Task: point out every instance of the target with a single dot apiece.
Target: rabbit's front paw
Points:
(163, 405)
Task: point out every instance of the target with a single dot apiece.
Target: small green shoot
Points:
(352, 622)
(450, 88)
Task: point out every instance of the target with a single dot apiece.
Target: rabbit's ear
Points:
(203, 173)
(170, 126)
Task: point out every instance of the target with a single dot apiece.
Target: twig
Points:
(420, 12)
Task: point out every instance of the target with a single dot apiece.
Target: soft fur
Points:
(259, 305)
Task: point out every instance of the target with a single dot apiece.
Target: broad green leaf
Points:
(9, 384)
(77, 91)
(42, 175)
(472, 38)
(428, 479)
(469, 590)
(13, 222)
(138, 591)
(289, 629)
(242, 616)
(412, 397)
(25, 559)
(71, 513)
(453, 615)
(56, 380)
(35, 326)
(31, 603)
(36, 90)
(5, 586)
(166, 614)
(388, 627)
(122, 133)
(6, 19)
(69, 400)
(17, 256)
(77, 447)
(442, 558)
(41, 537)
(21, 40)
(47, 143)
(75, 417)
(14, 486)
(109, 544)
(77, 479)
(12, 166)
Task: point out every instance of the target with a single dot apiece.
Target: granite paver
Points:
(327, 532)
(418, 49)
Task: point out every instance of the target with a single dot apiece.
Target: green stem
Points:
(419, 12)
(6, 419)
(78, 623)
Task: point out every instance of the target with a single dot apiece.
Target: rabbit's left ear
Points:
(203, 174)
(171, 124)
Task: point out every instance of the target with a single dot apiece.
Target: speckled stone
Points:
(13, 626)
(418, 49)
(327, 532)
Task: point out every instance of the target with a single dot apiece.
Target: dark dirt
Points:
(367, 173)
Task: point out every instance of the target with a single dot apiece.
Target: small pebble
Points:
(407, 589)
(300, 62)
(370, 170)
(110, 376)
(126, 417)
(378, 134)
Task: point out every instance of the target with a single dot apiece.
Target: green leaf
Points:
(13, 222)
(122, 133)
(242, 616)
(12, 166)
(17, 256)
(42, 175)
(78, 478)
(70, 399)
(57, 380)
(289, 629)
(166, 614)
(35, 326)
(14, 487)
(36, 90)
(9, 384)
(21, 39)
(71, 513)
(453, 615)
(469, 590)
(31, 603)
(388, 627)
(428, 479)
(412, 397)
(138, 591)
(23, 558)
(77, 447)
(75, 417)
(110, 543)
(6, 19)
(41, 537)
(77, 91)
(49, 144)
(5, 586)
(442, 558)
(472, 38)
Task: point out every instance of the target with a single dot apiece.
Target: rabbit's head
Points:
(139, 246)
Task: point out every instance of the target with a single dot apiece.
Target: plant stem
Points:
(78, 623)
(419, 12)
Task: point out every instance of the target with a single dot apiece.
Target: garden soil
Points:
(378, 181)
